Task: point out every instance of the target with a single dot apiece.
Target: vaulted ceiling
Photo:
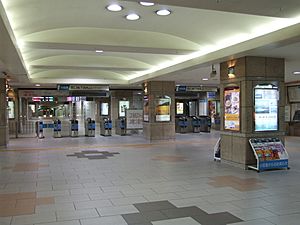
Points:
(57, 40)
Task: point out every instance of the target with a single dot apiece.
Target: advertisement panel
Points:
(104, 109)
(179, 108)
(123, 105)
(266, 108)
(232, 108)
(146, 109)
(162, 109)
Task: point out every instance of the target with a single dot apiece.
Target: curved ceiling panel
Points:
(78, 74)
(119, 37)
(90, 61)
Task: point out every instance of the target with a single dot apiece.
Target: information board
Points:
(232, 108)
(266, 108)
(269, 153)
(134, 119)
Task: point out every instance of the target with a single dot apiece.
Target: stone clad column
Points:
(3, 114)
(156, 108)
(249, 72)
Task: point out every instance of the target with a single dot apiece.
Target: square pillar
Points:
(248, 72)
(4, 137)
(159, 115)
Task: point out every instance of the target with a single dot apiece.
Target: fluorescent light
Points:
(132, 16)
(37, 85)
(163, 12)
(296, 73)
(204, 78)
(147, 3)
(99, 51)
(114, 7)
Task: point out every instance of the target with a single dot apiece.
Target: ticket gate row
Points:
(195, 124)
(89, 125)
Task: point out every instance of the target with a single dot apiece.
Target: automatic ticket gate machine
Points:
(39, 129)
(183, 124)
(90, 127)
(74, 128)
(196, 124)
(106, 127)
(57, 128)
(122, 126)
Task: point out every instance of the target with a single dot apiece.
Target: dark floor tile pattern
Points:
(163, 210)
(94, 154)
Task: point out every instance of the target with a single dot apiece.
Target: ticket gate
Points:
(39, 129)
(196, 124)
(74, 128)
(205, 123)
(57, 128)
(90, 127)
(183, 124)
(105, 127)
(122, 126)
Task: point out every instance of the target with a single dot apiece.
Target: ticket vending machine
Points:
(74, 128)
(57, 128)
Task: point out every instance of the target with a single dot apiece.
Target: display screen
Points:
(104, 109)
(266, 109)
(179, 108)
(232, 109)
(162, 109)
(123, 105)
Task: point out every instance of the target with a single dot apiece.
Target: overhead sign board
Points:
(195, 89)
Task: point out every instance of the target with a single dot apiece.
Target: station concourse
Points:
(149, 113)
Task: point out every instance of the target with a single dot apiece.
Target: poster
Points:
(179, 108)
(146, 109)
(11, 110)
(123, 105)
(232, 109)
(162, 109)
(266, 109)
(104, 109)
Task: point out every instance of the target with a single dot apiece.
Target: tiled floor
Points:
(122, 180)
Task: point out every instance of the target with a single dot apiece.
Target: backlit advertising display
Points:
(179, 108)
(232, 108)
(162, 109)
(266, 108)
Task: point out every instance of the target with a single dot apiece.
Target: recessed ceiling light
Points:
(37, 85)
(163, 12)
(147, 3)
(205, 78)
(296, 73)
(132, 16)
(114, 7)
(99, 51)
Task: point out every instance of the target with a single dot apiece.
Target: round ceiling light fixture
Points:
(163, 12)
(147, 3)
(114, 7)
(132, 16)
